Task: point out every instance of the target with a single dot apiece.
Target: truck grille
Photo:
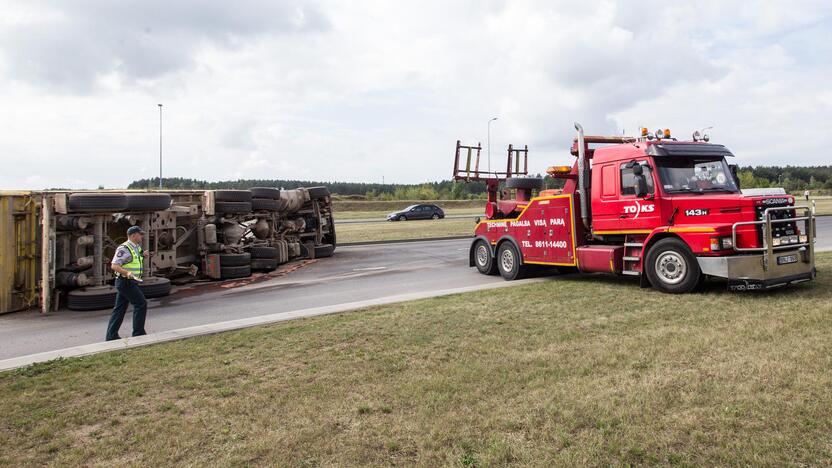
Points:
(777, 229)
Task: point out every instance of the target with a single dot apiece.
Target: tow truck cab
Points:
(670, 212)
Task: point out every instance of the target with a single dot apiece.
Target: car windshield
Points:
(698, 175)
(410, 207)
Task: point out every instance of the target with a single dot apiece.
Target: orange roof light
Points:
(644, 131)
(667, 133)
(559, 170)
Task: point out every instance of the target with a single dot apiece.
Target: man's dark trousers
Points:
(127, 291)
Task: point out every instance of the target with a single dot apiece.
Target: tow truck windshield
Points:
(695, 174)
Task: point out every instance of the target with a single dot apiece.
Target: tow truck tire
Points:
(524, 183)
(155, 286)
(483, 259)
(86, 202)
(234, 260)
(265, 192)
(232, 195)
(234, 272)
(316, 193)
(93, 298)
(148, 201)
(227, 207)
(671, 267)
(508, 262)
(263, 204)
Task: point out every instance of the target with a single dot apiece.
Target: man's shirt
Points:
(123, 254)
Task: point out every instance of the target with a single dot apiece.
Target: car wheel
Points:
(92, 298)
(402, 218)
(227, 207)
(509, 262)
(155, 286)
(233, 272)
(483, 259)
(671, 267)
(234, 259)
(90, 202)
(435, 216)
(148, 201)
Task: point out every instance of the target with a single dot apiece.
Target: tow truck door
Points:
(633, 213)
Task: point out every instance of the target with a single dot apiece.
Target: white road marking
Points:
(369, 269)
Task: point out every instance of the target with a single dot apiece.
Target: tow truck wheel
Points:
(508, 262)
(672, 268)
(483, 259)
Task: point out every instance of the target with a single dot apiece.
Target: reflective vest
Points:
(136, 263)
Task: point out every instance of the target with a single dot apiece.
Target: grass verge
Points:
(346, 215)
(585, 370)
(399, 230)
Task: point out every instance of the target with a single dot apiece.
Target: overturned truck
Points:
(56, 247)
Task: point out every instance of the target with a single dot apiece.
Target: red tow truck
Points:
(666, 211)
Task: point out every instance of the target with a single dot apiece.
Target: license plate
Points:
(786, 259)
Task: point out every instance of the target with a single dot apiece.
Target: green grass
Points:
(343, 206)
(823, 204)
(584, 370)
(398, 230)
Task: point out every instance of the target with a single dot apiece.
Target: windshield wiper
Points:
(687, 190)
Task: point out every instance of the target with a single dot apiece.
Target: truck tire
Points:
(316, 193)
(233, 272)
(155, 286)
(94, 298)
(483, 259)
(263, 252)
(265, 192)
(671, 267)
(324, 250)
(148, 201)
(264, 264)
(234, 260)
(227, 207)
(232, 195)
(509, 263)
(88, 202)
(524, 183)
(263, 204)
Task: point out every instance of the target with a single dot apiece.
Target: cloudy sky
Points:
(360, 90)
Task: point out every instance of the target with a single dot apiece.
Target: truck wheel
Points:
(226, 207)
(155, 286)
(671, 267)
(233, 272)
(263, 204)
(483, 259)
(92, 298)
(264, 264)
(260, 251)
(87, 202)
(232, 195)
(234, 260)
(265, 192)
(316, 193)
(324, 250)
(508, 262)
(148, 201)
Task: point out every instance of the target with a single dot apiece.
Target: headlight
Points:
(721, 243)
(775, 242)
(727, 243)
(804, 239)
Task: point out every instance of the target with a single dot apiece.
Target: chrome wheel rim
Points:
(507, 260)
(482, 255)
(671, 267)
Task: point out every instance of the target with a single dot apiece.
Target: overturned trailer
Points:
(56, 246)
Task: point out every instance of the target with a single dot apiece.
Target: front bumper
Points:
(761, 271)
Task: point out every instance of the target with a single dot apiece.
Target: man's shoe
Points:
(139, 334)
(113, 339)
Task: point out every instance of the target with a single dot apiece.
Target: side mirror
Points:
(638, 170)
(640, 185)
(734, 171)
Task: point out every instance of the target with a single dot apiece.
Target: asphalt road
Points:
(355, 273)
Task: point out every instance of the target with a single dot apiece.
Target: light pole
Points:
(489, 142)
(160, 147)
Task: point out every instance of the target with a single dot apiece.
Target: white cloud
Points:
(360, 90)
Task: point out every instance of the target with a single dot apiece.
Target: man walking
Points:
(128, 265)
(806, 194)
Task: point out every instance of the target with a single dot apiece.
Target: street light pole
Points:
(160, 147)
(489, 142)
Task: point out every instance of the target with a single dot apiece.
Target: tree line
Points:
(791, 178)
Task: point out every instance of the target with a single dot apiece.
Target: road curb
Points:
(210, 329)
